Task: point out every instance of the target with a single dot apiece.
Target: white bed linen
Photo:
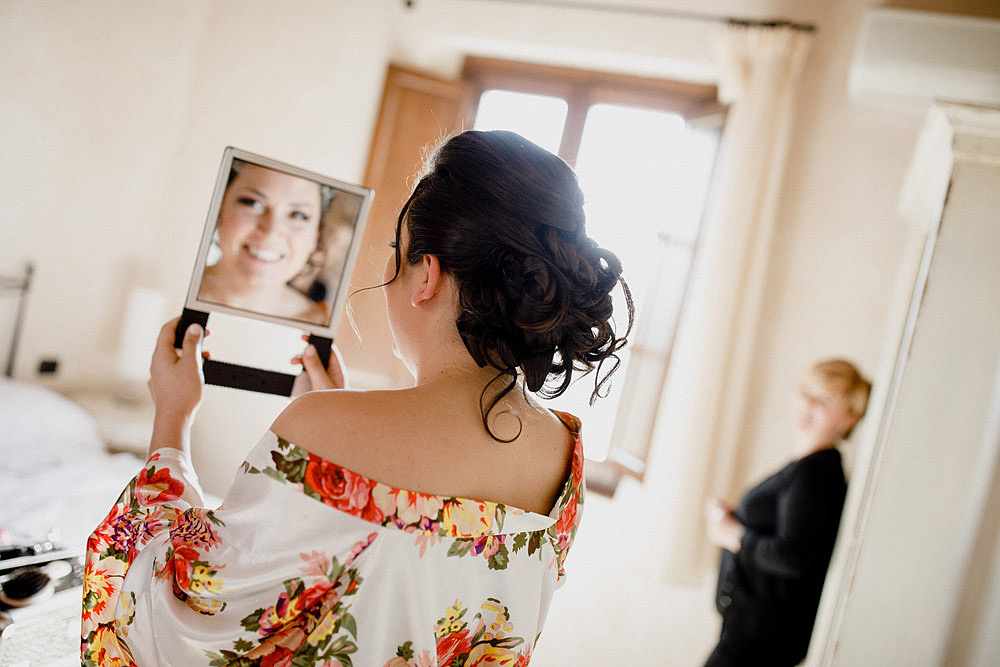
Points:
(55, 474)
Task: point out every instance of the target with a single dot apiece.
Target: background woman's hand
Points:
(723, 528)
(316, 377)
(175, 383)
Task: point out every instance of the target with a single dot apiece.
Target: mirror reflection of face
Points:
(268, 226)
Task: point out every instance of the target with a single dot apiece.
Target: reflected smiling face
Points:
(268, 227)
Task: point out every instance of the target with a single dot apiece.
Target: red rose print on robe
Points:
(158, 487)
(342, 489)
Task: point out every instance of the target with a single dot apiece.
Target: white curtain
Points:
(698, 429)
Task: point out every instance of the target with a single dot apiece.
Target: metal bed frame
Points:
(18, 285)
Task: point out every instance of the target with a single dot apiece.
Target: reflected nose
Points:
(265, 223)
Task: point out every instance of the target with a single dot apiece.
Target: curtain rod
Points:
(650, 11)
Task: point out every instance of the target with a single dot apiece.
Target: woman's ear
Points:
(430, 281)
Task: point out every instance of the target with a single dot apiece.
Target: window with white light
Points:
(539, 118)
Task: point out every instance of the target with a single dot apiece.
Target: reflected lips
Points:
(263, 255)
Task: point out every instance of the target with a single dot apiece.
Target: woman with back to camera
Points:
(777, 543)
(269, 229)
(419, 526)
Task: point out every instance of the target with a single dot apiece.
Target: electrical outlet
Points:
(48, 366)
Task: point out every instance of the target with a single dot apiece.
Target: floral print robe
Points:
(308, 563)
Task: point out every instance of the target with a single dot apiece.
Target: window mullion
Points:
(578, 103)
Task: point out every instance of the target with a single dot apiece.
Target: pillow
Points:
(39, 427)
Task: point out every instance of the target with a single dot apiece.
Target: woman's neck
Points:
(449, 363)
(806, 446)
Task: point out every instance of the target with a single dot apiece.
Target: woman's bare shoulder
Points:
(339, 413)
(402, 438)
(351, 428)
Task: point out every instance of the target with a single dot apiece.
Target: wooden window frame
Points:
(583, 88)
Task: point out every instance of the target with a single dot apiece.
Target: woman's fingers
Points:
(715, 509)
(165, 340)
(191, 346)
(164, 350)
(333, 377)
(175, 374)
(314, 369)
(166, 355)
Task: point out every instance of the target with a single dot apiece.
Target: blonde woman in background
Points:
(778, 541)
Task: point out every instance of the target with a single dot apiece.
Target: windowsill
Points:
(603, 476)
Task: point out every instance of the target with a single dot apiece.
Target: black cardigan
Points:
(770, 590)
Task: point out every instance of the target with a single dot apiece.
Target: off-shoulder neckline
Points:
(495, 514)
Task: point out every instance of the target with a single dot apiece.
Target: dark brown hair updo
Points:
(505, 219)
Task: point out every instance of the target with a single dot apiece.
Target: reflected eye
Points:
(250, 202)
(392, 244)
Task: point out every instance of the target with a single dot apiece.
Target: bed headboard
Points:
(14, 288)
